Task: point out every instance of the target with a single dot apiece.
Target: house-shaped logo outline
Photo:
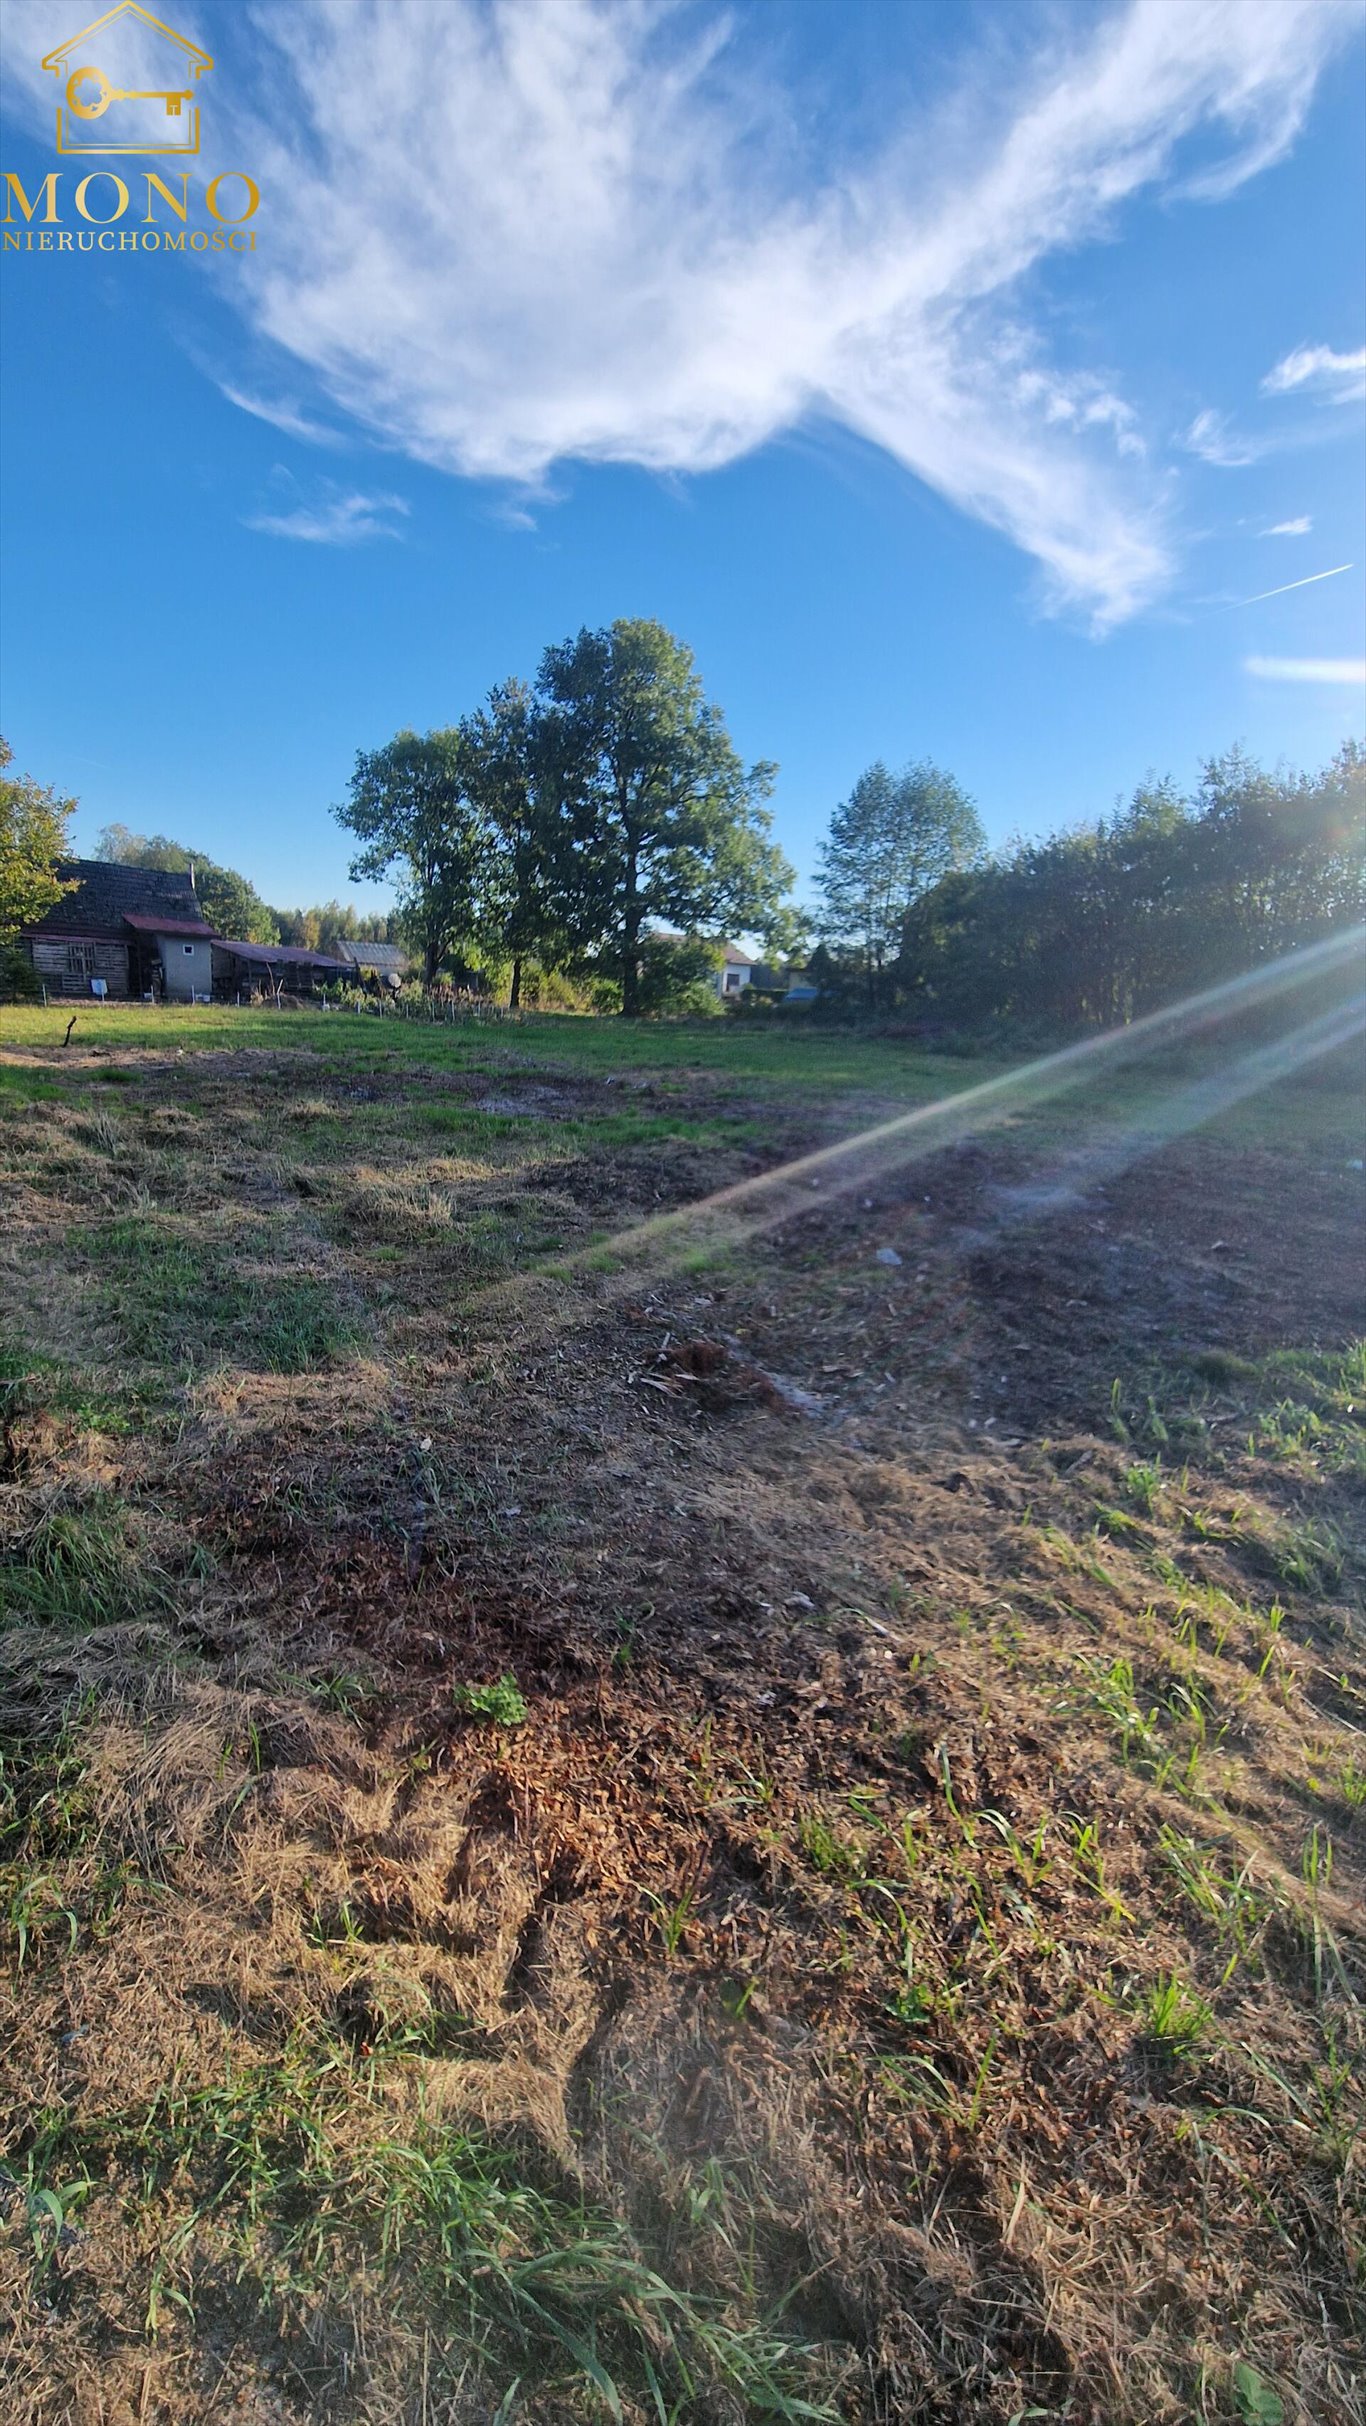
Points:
(197, 63)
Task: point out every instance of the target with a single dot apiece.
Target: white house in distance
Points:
(736, 971)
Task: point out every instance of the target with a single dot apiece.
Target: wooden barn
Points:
(123, 933)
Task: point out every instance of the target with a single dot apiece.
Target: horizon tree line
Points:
(598, 825)
(1094, 926)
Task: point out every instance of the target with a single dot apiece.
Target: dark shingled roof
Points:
(106, 893)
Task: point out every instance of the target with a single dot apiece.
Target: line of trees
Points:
(564, 822)
(596, 827)
(1090, 928)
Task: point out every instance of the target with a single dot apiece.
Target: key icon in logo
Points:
(89, 93)
(111, 78)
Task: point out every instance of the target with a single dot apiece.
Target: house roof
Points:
(106, 892)
(374, 956)
(149, 922)
(735, 958)
(280, 955)
(128, 8)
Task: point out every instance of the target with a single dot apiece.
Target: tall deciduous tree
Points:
(890, 841)
(410, 808)
(668, 825)
(33, 838)
(510, 770)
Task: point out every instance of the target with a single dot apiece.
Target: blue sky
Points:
(941, 374)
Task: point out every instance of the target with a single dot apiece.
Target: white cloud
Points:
(502, 238)
(1082, 403)
(1211, 438)
(512, 516)
(1334, 378)
(1288, 530)
(508, 234)
(282, 415)
(1307, 669)
(334, 517)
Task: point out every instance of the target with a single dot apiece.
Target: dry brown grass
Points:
(919, 1919)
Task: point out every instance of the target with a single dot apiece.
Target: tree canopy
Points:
(330, 923)
(33, 838)
(667, 824)
(895, 837)
(563, 823)
(411, 810)
(528, 912)
(1094, 927)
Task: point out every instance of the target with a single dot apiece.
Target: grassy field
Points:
(656, 1767)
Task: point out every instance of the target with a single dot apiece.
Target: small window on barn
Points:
(188, 947)
(80, 959)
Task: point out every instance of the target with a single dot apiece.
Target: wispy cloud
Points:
(507, 233)
(1307, 669)
(511, 515)
(282, 415)
(334, 517)
(1214, 441)
(1081, 403)
(1288, 530)
(574, 228)
(1334, 378)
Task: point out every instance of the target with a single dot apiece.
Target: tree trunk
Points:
(515, 993)
(630, 978)
(630, 946)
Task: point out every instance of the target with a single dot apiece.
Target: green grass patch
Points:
(1177, 2021)
(26, 1086)
(466, 1120)
(179, 1299)
(293, 2174)
(45, 1809)
(43, 1384)
(82, 1563)
(1300, 1408)
(294, 1325)
(787, 1057)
